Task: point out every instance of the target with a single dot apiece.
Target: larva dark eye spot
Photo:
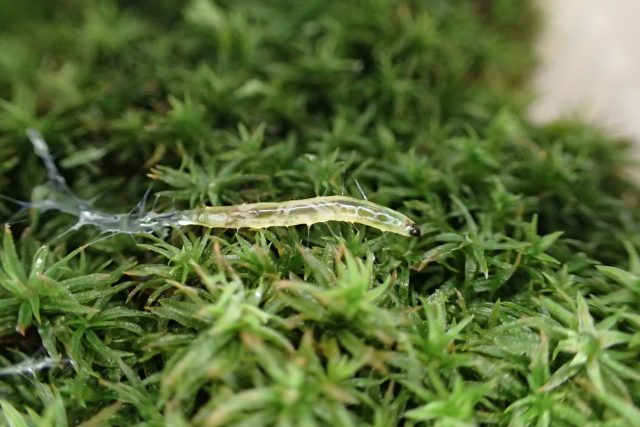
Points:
(413, 230)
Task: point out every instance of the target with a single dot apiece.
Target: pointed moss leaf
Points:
(11, 415)
(10, 262)
(82, 157)
(625, 278)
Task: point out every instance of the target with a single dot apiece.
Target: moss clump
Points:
(519, 305)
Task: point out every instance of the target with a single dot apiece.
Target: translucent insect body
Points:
(250, 215)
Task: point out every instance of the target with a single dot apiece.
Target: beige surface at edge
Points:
(589, 53)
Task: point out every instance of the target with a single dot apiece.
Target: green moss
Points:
(518, 306)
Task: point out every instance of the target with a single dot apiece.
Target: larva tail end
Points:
(413, 230)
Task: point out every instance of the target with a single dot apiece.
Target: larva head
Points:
(413, 229)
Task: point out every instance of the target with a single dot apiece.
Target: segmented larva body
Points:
(303, 211)
(251, 215)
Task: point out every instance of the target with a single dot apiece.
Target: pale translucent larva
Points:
(303, 211)
(250, 215)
